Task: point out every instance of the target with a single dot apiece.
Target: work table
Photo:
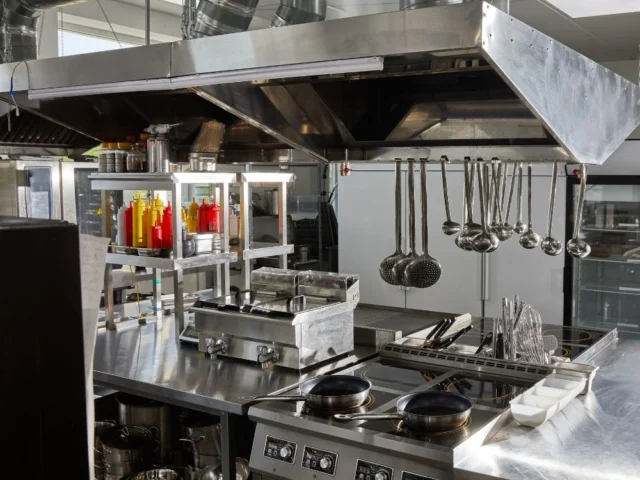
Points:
(145, 360)
(594, 437)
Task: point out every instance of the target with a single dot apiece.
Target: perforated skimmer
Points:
(423, 271)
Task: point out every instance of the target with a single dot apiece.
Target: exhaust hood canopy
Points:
(423, 82)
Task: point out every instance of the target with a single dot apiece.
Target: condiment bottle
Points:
(145, 225)
(192, 218)
(156, 236)
(203, 217)
(138, 223)
(154, 217)
(215, 217)
(167, 227)
(128, 225)
(121, 238)
(159, 205)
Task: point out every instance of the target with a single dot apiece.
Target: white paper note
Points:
(93, 256)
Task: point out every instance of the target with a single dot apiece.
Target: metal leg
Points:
(283, 234)
(228, 434)
(108, 296)
(157, 291)
(245, 225)
(178, 292)
(225, 280)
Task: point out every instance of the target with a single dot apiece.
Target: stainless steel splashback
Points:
(421, 83)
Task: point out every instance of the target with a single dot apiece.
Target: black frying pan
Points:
(432, 410)
(328, 392)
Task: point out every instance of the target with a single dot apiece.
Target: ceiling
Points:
(602, 38)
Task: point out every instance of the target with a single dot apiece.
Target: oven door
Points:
(38, 189)
(81, 204)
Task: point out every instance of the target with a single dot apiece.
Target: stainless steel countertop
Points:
(146, 361)
(594, 437)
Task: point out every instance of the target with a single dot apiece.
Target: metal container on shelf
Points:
(273, 207)
(203, 162)
(133, 410)
(206, 242)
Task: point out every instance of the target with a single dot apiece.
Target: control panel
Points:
(319, 460)
(415, 476)
(372, 471)
(280, 450)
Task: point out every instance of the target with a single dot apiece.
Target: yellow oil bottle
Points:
(138, 223)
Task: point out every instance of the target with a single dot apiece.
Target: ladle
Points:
(486, 241)
(530, 239)
(519, 227)
(552, 246)
(386, 266)
(449, 227)
(576, 247)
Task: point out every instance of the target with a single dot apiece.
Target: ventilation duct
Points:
(294, 12)
(19, 21)
(219, 17)
(415, 4)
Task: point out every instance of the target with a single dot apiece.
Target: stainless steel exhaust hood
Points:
(463, 79)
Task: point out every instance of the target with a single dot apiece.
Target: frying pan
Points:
(431, 410)
(328, 392)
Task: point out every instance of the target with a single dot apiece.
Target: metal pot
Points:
(99, 429)
(158, 474)
(121, 468)
(214, 472)
(125, 444)
(204, 435)
(133, 410)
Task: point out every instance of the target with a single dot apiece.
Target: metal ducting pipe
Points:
(219, 17)
(415, 4)
(19, 21)
(295, 12)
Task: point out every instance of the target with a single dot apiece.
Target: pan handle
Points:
(280, 398)
(369, 416)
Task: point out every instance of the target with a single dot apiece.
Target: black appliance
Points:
(42, 380)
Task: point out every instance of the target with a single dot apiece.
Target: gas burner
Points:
(395, 377)
(570, 334)
(329, 413)
(399, 429)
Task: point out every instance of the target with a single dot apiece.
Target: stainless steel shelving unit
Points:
(173, 182)
(254, 250)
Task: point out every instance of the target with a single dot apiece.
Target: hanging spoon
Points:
(401, 265)
(470, 229)
(519, 227)
(530, 239)
(502, 229)
(449, 227)
(576, 247)
(552, 246)
(485, 242)
(495, 198)
(507, 227)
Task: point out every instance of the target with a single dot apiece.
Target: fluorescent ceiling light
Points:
(595, 8)
(335, 67)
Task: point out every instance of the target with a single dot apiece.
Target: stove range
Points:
(293, 441)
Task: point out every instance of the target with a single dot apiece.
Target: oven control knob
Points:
(286, 452)
(326, 463)
(382, 476)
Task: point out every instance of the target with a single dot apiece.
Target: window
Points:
(71, 43)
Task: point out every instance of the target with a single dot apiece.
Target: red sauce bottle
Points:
(128, 225)
(215, 217)
(167, 227)
(203, 217)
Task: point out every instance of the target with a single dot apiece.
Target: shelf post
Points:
(245, 226)
(108, 296)
(157, 292)
(283, 233)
